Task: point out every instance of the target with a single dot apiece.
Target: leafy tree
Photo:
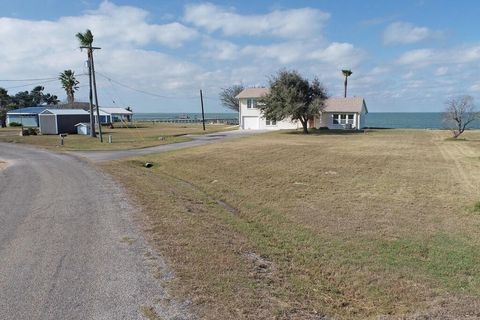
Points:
(227, 96)
(346, 73)
(33, 98)
(23, 99)
(50, 99)
(37, 95)
(69, 83)
(4, 103)
(459, 113)
(292, 96)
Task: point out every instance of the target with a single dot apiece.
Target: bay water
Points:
(403, 120)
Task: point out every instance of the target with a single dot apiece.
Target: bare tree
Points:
(459, 113)
(228, 96)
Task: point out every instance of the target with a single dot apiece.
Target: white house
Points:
(339, 113)
(117, 114)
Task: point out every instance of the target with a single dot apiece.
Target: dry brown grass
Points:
(289, 226)
(141, 135)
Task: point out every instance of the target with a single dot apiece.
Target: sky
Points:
(406, 56)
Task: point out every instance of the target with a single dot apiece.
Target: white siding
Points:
(48, 123)
(248, 113)
(326, 120)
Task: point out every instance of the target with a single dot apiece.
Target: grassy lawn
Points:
(141, 135)
(288, 226)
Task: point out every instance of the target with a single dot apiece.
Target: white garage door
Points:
(250, 123)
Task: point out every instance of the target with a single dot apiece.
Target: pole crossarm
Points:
(87, 47)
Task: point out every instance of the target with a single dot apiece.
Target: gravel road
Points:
(197, 140)
(70, 246)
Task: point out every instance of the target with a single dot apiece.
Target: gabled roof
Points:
(29, 110)
(82, 124)
(122, 111)
(64, 111)
(349, 104)
(101, 112)
(253, 93)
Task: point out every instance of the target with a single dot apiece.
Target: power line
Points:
(143, 91)
(31, 84)
(47, 80)
(35, 79)
(32, 79)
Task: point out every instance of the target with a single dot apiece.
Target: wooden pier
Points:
(232, 121)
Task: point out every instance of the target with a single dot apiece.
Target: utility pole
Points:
(91, 69)
(93, 134)
(203, 113)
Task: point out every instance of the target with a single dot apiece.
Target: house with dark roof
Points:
(338, 113)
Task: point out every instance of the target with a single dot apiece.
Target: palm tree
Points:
(86, 41)
(347, 73)
(69, 83)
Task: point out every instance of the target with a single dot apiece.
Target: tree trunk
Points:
(304, 125)
(3, 117)
(345, 84)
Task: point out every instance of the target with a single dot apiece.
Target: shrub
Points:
(15, 124)
(30, 132)
(476, 207)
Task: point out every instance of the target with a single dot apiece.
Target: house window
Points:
(336, 118)
(343, 118)
(251, 103)
(350, 119)
(270, 122)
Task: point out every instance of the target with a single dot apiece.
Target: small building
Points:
(105, 118)
(56, 121)
(83, 128)
(28, 117)
(338, 113)
(118, 114)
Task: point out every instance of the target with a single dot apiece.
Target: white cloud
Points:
(418, 57)
(341, 55)
(407, 33)
(48, 47)
(475, 87)
(293, 23)
(119, 25)
(220, 50)
(425, 57)
(441, 71)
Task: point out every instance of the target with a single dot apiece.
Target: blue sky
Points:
(405, 55)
